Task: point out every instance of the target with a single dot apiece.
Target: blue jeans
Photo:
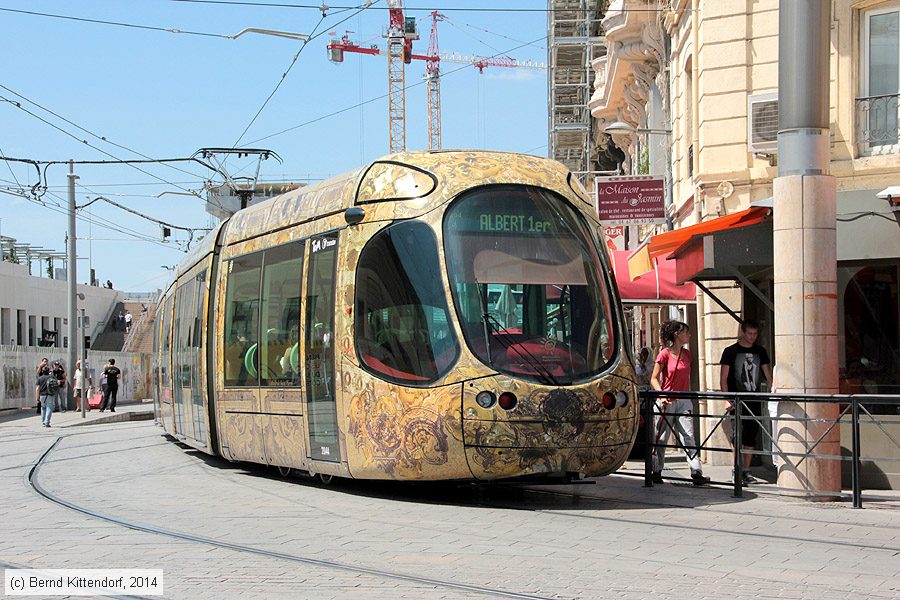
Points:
(61, 399)
(47, 403)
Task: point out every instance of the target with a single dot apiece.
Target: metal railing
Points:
(878, 123)
(857, 407)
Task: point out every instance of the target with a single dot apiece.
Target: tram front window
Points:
(528, 284)
(402, 327)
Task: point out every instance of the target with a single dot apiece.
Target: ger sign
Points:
(632, 200)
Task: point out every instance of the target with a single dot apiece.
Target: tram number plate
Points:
(326, 451)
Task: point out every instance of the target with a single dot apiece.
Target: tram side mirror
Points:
(354, 215)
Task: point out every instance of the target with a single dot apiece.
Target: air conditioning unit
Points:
(762, 123)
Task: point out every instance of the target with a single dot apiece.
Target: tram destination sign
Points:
(630, 200)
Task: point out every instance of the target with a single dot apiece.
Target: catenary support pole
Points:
(71, 280)
(805, 247)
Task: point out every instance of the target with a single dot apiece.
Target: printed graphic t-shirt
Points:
(745, 373)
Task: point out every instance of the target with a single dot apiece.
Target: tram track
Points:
(34, 482)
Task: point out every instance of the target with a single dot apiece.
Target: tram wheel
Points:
(284, 471)
(326, 479)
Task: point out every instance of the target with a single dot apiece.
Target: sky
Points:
(72, 88)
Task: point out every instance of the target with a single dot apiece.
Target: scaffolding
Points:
(573, 42)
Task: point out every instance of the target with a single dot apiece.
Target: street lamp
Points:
(623, 128)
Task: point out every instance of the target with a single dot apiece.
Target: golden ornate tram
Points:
(434, 315)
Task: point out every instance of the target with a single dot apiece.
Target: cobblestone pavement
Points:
(268, 537)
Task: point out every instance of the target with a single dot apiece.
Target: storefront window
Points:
(871, 311)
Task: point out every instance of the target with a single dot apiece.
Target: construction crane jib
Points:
(400, 35)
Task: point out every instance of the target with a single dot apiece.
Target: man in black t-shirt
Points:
(112, 373)
(744, 365)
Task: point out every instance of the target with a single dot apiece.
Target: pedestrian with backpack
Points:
(46, 389)
(61, 397)
(45, 362)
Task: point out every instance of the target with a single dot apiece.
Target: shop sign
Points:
(630, 200)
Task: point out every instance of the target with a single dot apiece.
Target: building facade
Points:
(31, 306)
(704, 74)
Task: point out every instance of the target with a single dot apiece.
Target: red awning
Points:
(656, 286)
(661, 246)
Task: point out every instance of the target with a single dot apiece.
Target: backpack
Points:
(51, 386)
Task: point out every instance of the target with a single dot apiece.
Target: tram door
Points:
(321, 407)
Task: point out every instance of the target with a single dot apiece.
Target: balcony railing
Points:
(878, 124)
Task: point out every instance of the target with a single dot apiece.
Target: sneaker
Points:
(699, 478)
(656, 477)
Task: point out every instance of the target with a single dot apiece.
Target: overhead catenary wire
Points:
(85, 142)
(474, 37)
(312, 36)
(190, 230)
(57, 208)
(89, 132)
(114, 23)
(63, 208)
(9, 166)
(383, 96)
(506, 37)
(411, 8)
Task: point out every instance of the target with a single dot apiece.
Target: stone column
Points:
(805, 245)
(806, 326)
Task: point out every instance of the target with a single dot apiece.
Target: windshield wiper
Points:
(530, 359)
(544, 375)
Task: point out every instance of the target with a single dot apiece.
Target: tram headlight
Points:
(621, 398)
(485, 399)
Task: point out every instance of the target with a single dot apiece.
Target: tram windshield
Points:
(402, 327)
(528, 284)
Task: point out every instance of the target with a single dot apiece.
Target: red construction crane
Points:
(401, 55)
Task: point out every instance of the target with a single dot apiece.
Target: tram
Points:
(443, 315)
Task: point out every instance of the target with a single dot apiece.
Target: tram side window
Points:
(165, 344)
(184, 321)
(402, 318)
(242, 321)
(200, 297)
(281, 316)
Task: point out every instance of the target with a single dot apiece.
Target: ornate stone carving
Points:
(636, 96)
(652, 44)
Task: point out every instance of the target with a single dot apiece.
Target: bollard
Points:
(647, 411)
(738, 463)
(854, 457)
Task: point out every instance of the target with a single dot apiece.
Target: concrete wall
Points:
(45, 300)
(17, 376)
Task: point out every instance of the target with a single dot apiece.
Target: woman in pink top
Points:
(672, 372)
